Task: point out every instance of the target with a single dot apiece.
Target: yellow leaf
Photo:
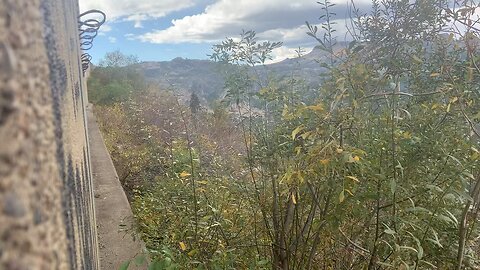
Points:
(434, 74)
(317, 108)
(469, 74)
(339, 150)
(296, 131)
(356, 158)
(407, 135)
(349, 192)
(287, 176)
(293, 199)
(324, 161)
(353, 178)
(448, 107)
(192, 252)
(184, 174)
(203, 182)
(183, 247)
(306, 135)
(341, 197)
(450, 37)
(300, 177)
(417, 59)
(285, 110)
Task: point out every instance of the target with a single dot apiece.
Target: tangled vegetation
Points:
(377, 168)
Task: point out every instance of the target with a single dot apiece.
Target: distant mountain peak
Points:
(177, 59)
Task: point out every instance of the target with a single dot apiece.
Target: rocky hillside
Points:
(204, 77)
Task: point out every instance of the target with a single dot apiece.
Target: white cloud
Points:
(215, 21)
(130, 36)
(135, 10)
(112, 39)
(229, 17)
(282, 53)
(285, 35)
(137, 18)
(105, 28)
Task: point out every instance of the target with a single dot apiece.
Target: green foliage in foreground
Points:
(376, 169)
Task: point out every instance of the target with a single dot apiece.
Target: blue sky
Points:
(158, 30)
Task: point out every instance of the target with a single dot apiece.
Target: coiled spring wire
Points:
(86, 58)
(89, 23)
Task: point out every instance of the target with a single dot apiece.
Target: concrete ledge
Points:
(114, 215)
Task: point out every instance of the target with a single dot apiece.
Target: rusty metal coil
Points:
(89, 23)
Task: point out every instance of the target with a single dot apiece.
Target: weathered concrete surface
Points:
(46, 199)
(114, 215)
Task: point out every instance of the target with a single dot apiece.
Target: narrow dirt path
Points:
(112, 210)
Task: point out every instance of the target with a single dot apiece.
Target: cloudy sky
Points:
(165, 29)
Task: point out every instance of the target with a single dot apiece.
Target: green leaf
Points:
(434, 188)
(389, 231)
(124, 265)
(262, 263)
(445, 219)
(450, 197)
(385, 264)
(436, 241)
(429, 264)
(393, 186)
(420, 248)
(456, 160)
(156, 265)
(358, 48)
(418, 209)
(469, 175)
(173, 266)
(452, 217)
(140, 260)
(409, 248)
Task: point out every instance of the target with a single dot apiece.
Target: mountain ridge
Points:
(204, 76)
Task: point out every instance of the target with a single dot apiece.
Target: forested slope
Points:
(376, 167)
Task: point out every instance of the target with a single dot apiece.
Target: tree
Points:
(194, 103)
(115, 79)
(118, 59)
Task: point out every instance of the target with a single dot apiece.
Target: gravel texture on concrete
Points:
(47, 216)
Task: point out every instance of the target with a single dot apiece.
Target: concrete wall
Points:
(46, 202)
